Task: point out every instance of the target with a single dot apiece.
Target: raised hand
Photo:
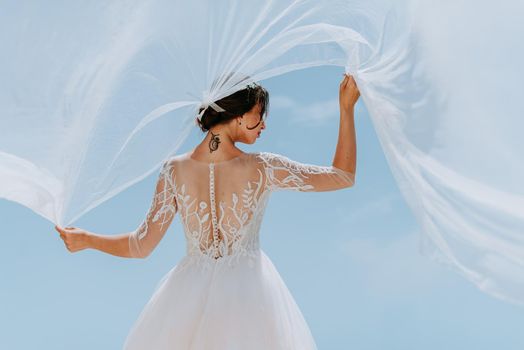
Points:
(348, 93)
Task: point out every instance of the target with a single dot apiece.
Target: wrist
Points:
(347, 112)
(91, 239)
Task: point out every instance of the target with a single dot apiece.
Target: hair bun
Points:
(234, 105)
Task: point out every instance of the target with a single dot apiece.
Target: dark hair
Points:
(234, 105)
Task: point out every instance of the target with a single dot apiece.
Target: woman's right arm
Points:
(346, 151)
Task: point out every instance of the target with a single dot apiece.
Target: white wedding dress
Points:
(225, 293)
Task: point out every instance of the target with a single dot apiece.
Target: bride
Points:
(225, 293)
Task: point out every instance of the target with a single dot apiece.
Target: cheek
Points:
(253, 127)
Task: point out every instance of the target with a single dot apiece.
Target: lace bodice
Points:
(221, 204)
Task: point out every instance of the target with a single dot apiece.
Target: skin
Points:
(219, 145)
(219, 142)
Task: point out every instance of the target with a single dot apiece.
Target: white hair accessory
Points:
(207, 102)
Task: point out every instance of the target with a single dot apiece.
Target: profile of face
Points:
(250, 125)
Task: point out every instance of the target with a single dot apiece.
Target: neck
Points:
(218, 142)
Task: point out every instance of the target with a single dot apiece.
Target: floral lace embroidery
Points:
(284, 173)
(237, 223)
(160, 215)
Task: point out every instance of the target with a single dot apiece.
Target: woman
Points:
(225, 293)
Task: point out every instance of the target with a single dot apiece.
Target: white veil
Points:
(95, 96)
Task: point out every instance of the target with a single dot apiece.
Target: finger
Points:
(343, 83)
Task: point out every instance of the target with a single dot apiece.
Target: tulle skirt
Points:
(221, 306)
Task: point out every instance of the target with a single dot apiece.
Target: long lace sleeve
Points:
(160, 215)
(282, 173)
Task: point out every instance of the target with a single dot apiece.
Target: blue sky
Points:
(349, 257)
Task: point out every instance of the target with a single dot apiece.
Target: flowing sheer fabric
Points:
(225, 293)
(95, 97)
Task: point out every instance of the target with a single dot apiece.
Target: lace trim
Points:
(161, 212)
(284, 173)
(204, 262)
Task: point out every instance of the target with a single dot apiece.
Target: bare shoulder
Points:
(264, 155)
(271, 157)
(176, 159)
(171, 163)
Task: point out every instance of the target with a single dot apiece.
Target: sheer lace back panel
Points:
(221, 204)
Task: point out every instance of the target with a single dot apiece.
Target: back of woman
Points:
(221, 204)
(228, 195)
(225, 293)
